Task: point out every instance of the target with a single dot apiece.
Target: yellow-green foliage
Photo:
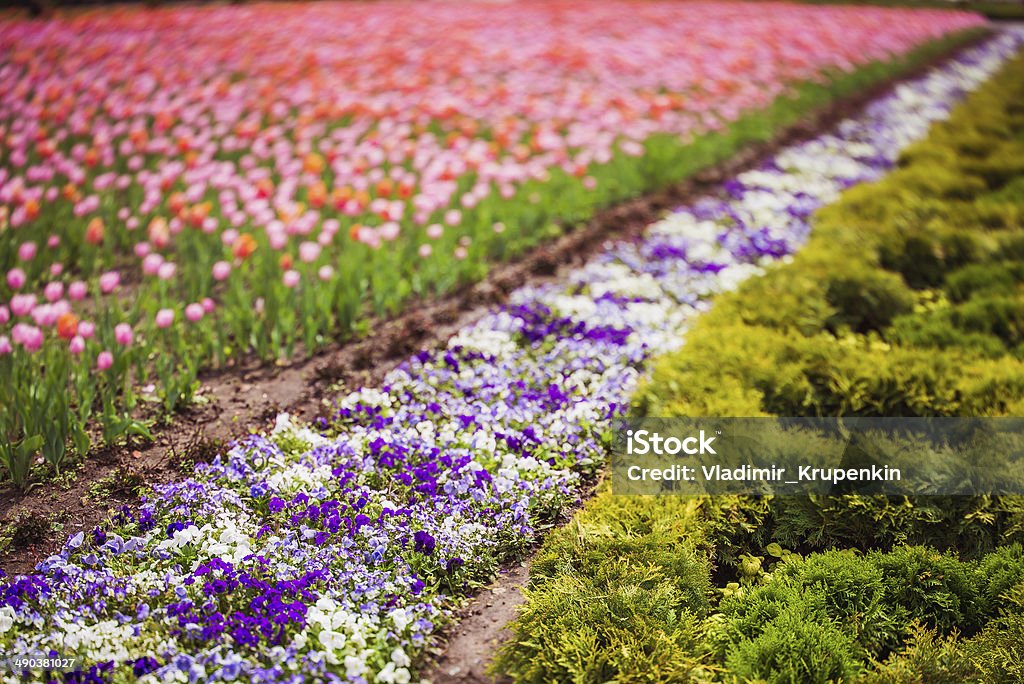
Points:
(616, 595)
(907, 301)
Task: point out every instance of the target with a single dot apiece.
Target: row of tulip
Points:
(334, 551)
(181, 187)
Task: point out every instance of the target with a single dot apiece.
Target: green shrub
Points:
(1005, 163)
(937, 589)
(927, 658)
(581, 629)
(866, 301)
(990, 278)
(1000, 572)
(853, 591)
(745, 615)
(920, 262)
(970, 525)
(617, 594)
(1001, 316)
(998, 651)
(936, 329)
(794, 648)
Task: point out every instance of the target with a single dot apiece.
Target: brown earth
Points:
(248, 396)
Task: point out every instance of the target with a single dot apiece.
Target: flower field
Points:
(183, 188)
(335, 551)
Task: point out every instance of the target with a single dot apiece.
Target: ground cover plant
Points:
(905, 301)
(183, 187)
(334, 551)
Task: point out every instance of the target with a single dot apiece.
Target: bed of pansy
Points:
(334, 551)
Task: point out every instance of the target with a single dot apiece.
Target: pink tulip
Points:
(308, 252)
(104, 361)
(194, 312)
(425, 250)
(221, 270)
(45, 315)
(325, 273)
(5, 345)
(123, 334)
(290, 278)
(368, 236)
(27, 251)
(30, 337)
(86, 329)
(22, 305)
(167, 270)
(435, 231)
(77, 291)
(460, 253)
(453, 217)
(16, 278)
(229, 236)
(278, 240)
(389, 231)
(164, 318)
(77, 345)
(53, 291)
(208, 305)
(109, 281)
(18, 333)
(151, 264)
(5, 315)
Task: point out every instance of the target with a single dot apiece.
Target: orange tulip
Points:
(199, 212)
(176, 203)
(244, 246)
(67, 325)
(32, 208)
(339, 196)
(384, 187)
(264, 188)
(317, 195)
(95, 231)
(159, 233)
(313, 163)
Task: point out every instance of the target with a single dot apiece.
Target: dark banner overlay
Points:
(758, 456)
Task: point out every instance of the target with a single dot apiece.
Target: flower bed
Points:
(334, 551)
(182, 187)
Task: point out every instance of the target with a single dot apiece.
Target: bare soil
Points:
(249, 396)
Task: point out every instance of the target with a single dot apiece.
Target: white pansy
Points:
(7, 616)
(399, 658)
(354, 666)
(479, 338)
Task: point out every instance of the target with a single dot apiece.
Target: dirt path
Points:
(244, 397)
